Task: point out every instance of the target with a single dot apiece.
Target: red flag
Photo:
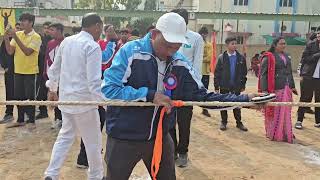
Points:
(214, 53)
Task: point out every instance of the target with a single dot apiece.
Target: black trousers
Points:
(122, 156)
(236, 112)
(42, 92)
(25, 89)
(82, 156)
(9, 86)
(184, 116)
(309, 88)
(205, 80)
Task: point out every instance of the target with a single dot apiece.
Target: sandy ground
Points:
(24, 155)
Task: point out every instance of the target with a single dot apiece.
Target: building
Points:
(256, 32)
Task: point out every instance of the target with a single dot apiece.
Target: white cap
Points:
(173, 28)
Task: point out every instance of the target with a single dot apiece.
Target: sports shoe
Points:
(182, 160)
(223, 127)
(206, 112)
(48, 178)
(298, 125)
(7, 118)
(41, 116)
(317, 125)
(82, 165)
(242, 127)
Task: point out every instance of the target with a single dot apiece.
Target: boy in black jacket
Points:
(230, 77)
(8, 66)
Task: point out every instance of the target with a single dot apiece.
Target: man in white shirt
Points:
(77, 71)
(193, 51)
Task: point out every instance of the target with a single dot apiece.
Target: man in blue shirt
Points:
(150, 69)
(230, 77)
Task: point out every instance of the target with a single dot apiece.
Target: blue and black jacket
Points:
(133, 76)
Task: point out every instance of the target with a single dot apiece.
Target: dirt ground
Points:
(24, 155)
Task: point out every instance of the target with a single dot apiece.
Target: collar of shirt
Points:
(86, 34)
(233, 54)
(30, 33)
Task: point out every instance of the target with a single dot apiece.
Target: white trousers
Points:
(87, 124)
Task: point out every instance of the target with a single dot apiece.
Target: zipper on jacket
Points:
(156, 108)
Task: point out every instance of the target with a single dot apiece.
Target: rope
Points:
(141, 104)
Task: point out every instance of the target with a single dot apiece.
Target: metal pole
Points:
(281, 28)
(222, 29)
(237, 25)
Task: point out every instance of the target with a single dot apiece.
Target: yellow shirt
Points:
(24, 64)
(207, 57)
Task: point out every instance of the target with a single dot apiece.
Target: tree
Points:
(150, 5)
(142, 24)
(111, 5)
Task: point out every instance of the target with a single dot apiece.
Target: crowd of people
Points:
(170, 62)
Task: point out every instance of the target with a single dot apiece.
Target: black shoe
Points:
(223, 127)
(48, 178)
(242, 127)
(206, 112)
(182, 161)
(41, 116)
(7, 118)
(81, 164)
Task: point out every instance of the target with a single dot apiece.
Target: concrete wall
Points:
(294, 51)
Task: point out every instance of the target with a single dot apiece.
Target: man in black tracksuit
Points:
(8, 66)
(310, 83)
(42, 90)
(230, 77)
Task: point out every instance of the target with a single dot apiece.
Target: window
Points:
(240, 39)
(285, 3)
(240, 2)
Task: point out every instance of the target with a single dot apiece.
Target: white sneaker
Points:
(317, 125)
(298, 125)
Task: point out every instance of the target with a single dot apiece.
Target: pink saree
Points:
(278, 123)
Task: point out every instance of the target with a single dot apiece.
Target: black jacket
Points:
(6, 59)
(283, 73)
(222, 73)
(309, 60)
(42, 53)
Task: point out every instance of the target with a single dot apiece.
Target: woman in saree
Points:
(276, 77)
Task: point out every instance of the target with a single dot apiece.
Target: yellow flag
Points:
(8, 17)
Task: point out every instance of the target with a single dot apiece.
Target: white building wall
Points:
(258, 28)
